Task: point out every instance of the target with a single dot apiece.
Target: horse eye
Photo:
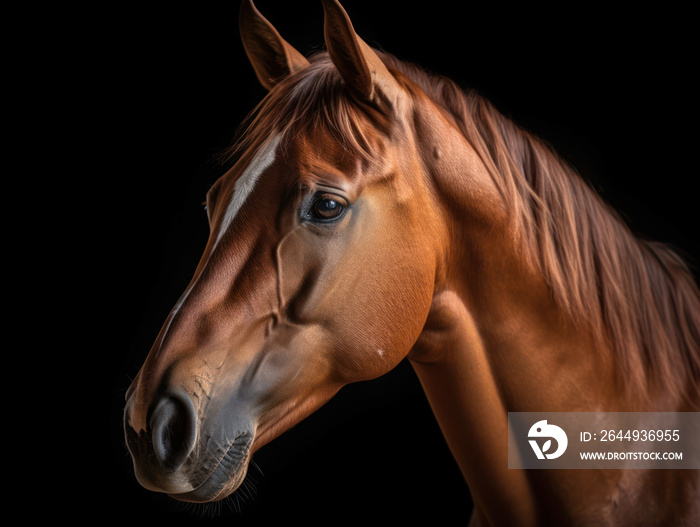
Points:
(327, 207)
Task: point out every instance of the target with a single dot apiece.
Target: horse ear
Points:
(360, 67)
(272, 57)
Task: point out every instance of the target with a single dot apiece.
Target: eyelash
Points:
(313, 214)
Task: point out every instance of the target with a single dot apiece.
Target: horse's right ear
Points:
(272, 57)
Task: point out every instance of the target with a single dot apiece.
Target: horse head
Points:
(319, 270)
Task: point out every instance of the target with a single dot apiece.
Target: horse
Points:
(373, 213)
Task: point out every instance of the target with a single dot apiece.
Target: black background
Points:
(150, 94)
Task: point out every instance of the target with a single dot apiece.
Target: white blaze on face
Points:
(246, 182)
(241, 190)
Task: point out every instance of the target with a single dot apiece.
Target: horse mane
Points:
(638, 297)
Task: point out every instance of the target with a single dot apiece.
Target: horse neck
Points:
(495, 341)
(498, 340)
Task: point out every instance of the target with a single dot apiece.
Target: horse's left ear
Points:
(272, 57)
(360, 67)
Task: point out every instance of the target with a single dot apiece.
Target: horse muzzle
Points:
(176, 453)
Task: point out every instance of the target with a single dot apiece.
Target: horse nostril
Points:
(173, 430)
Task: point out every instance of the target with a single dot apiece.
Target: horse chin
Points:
(225, 477)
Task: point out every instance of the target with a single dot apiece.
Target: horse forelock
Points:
(312, 102)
